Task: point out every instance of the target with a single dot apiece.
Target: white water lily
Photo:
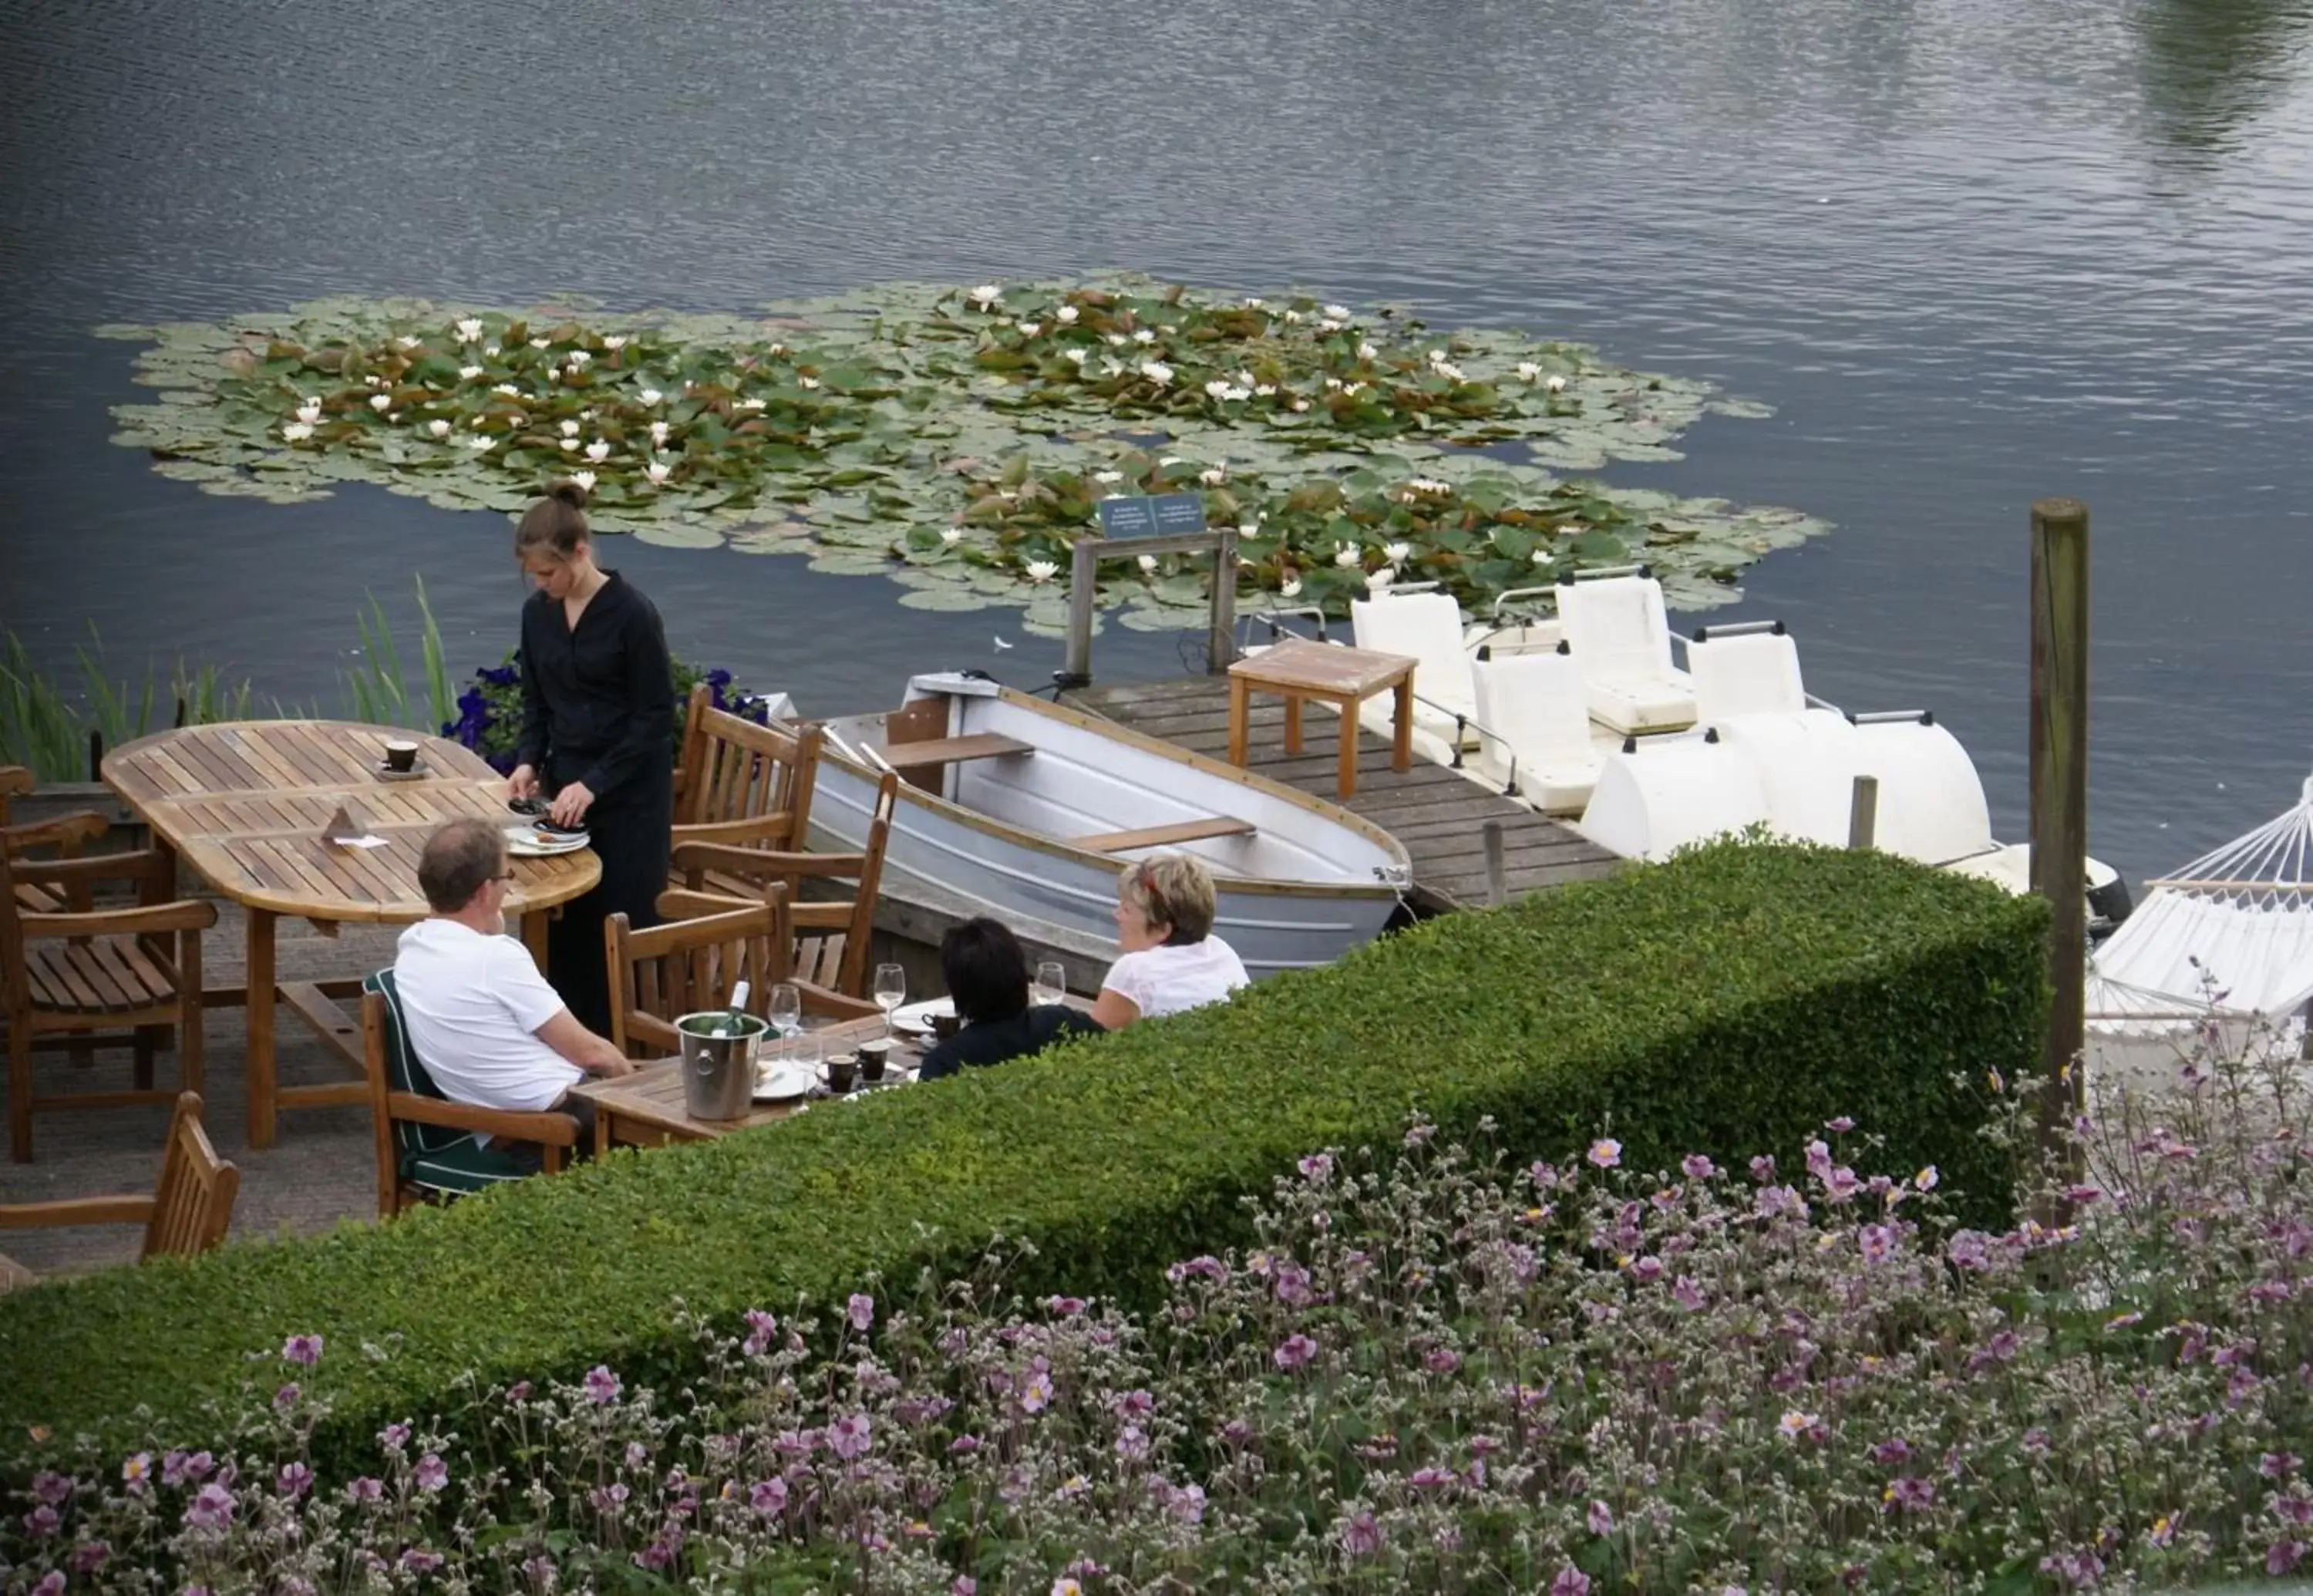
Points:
(1252, 303)
(1157, 372)
(1397, 554)
(381, 402)
(1108, 476)
(1213, 476)
(1451, 372)
(748, 404)
(493, 351)
(1366, 351)
(1346, 555)
(986, 295)
(584, 479)
(438, 427)
(1556, 384)
(408, 342)
(1042, 571)
(1543, 557)
(1528, 372)
(297, 432)
(1290, 588)
(508, 389)
(309, 411)
(569, 446)
(1300, 405)
(1293, 315)
(580, 360)
(1030, 328)
(1141, 335)
(615, 342)
(1428, 485)
(1434, 356)
(1233, 394)
(1217, 388)
(570, 429)
(1148, 565)
(538, 343)
(1376, 581)
(1333, 382)
(1065, 314)
(658, 470)
(658, 431)
(470, 331)
(650, 396)
(806, 381)
(1265, 390)
(480, 444)
(1354, 388)
(467, 373)
(1327, 324)
(1339, 313)
(393, 418)
(951, 536)
(1077, 354)
(1117, 337)
(374, 380)
(1171, 460)
(598, 451)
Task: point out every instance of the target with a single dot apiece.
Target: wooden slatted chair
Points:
(834, 938)
(88, 974)
(429, 1146)
(63, 837)
(681, 968)
(743, 784)
(775, 953)
(189, 1211)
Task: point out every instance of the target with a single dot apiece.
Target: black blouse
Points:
(600, 699)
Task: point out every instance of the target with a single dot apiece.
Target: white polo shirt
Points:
(1165, 979)
(473, 1005)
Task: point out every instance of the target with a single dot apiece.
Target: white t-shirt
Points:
(1166, 979)
(472, 1004)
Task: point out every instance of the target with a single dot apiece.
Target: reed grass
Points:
(377, 690)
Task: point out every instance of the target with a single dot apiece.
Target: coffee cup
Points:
(945, 1026)
(401, 756)
(873, 1057)
(840, 1068)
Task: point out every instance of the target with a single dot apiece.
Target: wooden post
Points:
(1084, 588)
(1863, 812)
(1497, 881)
(2060, 795)
(1221, 641)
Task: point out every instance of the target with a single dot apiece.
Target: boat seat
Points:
(1621, 638)
(930, 751)
(1533, 705)
(1161, 836)
(1751, 673)
(1426, 627)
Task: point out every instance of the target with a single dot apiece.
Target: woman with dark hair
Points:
(597, 735)
(988, 982)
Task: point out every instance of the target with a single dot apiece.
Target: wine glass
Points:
(1052, 981)
(787, 1008)
(890, 990)
(804, 1047)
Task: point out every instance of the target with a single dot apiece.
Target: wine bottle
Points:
(734, 1020)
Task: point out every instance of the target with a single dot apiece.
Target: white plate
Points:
(527, 841)
(916, 1019)
(782, 1080)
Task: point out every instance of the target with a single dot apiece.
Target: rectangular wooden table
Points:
(1344, 678)
(245, 805)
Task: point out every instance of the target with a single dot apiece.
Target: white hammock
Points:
(2228, 939)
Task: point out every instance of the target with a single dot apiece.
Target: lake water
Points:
(1973, 252)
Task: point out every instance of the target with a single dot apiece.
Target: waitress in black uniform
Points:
(597, 736)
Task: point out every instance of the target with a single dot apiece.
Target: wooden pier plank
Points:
(1435, 811)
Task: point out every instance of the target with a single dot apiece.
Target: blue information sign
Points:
(1159, 515)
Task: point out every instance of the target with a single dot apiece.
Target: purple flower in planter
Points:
(658, 1557)
(1360, 1536)
(2283, 1556)
(432, 1474)
(601, 1385)
(1839, 1126)
(1600, 1518)
(394, 1437)
(2276, 1465)
(52, 1487)
(89, 1556)
(1877, 1242)
(608, 1499)
(293, 1480)
(1888, 1453)
(1132, 1443)
(1136, 1405)
(1841, 1185)
(1187, 1503)
(1431, 1480)
(1316, 1166)
(1762, 1168)
(182, 1468)
(286, 1399)
(1606, 1153)
(1571, 1581)
(1909, 1493)
(415, 1561)
(860, 1311)
(1441, 1360)
(963, 1585)
(760, 1326)
(136, 1472)
(1698, 1167)
(1688, 1295)
(1818, 1158)
(365, 1490)
(769, 1497)
(964, 1445)
(211, 1508)
(1969, 1249)
(43, 1521)
(52, 1584)
(303, 1350)
(1294, 1352)
(519, 1391)
(848, 1437)
(1060, 1306)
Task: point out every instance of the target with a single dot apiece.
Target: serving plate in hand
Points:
(916, 1019)
(527, 841)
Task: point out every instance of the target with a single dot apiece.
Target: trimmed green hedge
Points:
(1727, 1002)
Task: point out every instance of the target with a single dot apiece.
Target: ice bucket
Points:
(718, 1071)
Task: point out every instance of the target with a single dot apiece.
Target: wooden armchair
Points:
(63, 837)
(743, 784)
(660, 974)
(428, 1146)
(189, 1212)
(82, 973)
(834, 938)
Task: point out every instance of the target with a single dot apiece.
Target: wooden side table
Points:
(1344, 678)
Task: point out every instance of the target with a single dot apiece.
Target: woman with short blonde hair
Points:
(1172, 961)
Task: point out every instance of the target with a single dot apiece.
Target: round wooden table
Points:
(247, 805)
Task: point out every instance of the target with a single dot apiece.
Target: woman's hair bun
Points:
(573, 494)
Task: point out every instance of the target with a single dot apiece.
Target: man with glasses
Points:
(484, 1022)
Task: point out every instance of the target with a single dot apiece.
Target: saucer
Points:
(416, 773)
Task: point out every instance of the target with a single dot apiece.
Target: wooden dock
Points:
(1437, 812)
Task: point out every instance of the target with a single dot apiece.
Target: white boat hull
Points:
(1310, 881)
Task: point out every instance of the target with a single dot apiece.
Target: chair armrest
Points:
(547, 1128)
(824, 917)
(187, 915)
(774, 826)
(66, 831)
(148, 866)
(820, 1000)
(680, 903)
(16, 781)
(762, 863)
(76, 1210)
